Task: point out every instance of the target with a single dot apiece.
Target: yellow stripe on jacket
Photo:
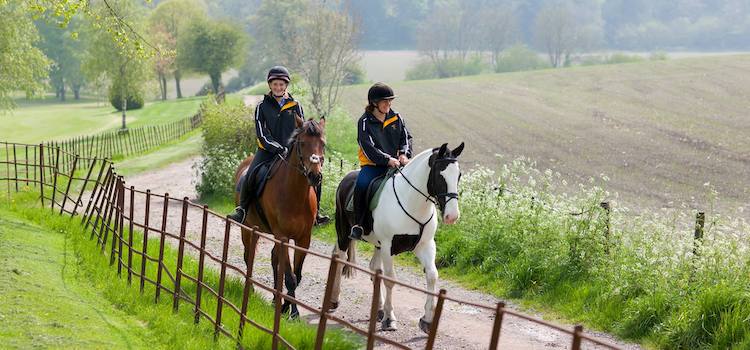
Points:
(363, 160)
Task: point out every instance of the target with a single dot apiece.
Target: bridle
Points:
(313, 179)
(431, 195)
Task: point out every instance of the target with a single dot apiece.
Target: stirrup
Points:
(238, 215)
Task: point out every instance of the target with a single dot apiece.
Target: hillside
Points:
(660, 131)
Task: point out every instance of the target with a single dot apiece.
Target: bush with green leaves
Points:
(446, 68)
(519, 58)
(134, 100)
(229, 136)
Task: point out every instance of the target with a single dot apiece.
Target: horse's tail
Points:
(351, 257)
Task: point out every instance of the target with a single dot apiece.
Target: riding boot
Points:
(360, 215)
(246, 199)
(319, 218)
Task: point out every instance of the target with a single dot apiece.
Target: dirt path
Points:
(461, 327)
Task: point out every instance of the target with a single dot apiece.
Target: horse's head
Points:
(442, 182)
(308, 142)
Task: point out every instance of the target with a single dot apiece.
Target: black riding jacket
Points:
(380, 141)
(274, 125)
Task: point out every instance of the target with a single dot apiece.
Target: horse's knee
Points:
(432, 275)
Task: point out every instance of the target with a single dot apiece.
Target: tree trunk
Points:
(76, 91)
(62, 89)
(124, 106)
(215, 81)
(177, 76)
(164, 89)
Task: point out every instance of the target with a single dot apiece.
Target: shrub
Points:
(446, 68)
(354, 74)
(134, 101)
(519, 58)
(208, 89)
(229, 136)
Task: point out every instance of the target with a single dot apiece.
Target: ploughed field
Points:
(664, 133)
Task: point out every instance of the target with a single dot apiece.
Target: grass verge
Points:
(163, 327)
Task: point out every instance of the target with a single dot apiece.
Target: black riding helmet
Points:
(379, 92)
(278, 72)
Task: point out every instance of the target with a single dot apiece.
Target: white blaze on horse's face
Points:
(451, 175)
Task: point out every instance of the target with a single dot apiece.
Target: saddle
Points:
(373, 192)
(258, 177)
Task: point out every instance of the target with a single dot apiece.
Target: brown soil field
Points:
(663, 132)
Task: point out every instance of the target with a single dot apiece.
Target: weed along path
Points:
(460, 327)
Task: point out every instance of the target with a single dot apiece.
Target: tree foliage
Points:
(167, 24)
(22, 66)
(210, 47)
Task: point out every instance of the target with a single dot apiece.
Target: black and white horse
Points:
(404, 220)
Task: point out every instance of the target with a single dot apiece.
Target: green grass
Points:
(46, 299)
(189, 145)
(171, 330)
(36, 121)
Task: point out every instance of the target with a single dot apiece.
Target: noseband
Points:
(313, 179)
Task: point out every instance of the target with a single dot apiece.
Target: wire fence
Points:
(132, 226)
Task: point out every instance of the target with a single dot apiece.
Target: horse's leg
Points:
(375, 264)
(389, 322)
(426, 255)
(290, 280)
(274, 266)
(336, 289)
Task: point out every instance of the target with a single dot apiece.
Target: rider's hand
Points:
(403, 159)
(393, 163)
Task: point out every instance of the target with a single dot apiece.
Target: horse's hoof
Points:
(334, 306)
(424, 325)
(389, 325)
(381, 315)
(285, 307)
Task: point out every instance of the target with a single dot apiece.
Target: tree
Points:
(168, 22)
(499, 31)
(448, 34)
(164, 59)
(121, 64)
(64, 49)
(328, 49)
(555, 32)
(22, 66)
(210, 47)
(278, 29)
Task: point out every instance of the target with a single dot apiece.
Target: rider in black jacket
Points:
(274, 125)
(384, 142)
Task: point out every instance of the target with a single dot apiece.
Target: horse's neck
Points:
(417, 173)
(291, 175)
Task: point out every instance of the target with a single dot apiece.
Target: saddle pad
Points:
(373, 191)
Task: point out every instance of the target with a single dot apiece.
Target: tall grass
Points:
(642, 280)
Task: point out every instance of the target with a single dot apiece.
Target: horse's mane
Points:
(309, 127)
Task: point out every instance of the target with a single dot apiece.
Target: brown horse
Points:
(288, 202)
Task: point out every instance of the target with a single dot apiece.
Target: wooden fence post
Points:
(374, 308)
(222, 277)
(70, 182)
(180, 255)
(577, 330)
(436, 320)
(607, 210)
(201, 263)
(144, 257)
(495, 339)
(700, 221)
(332, 268)
(162, 237)
(283, 255)
(41, 173)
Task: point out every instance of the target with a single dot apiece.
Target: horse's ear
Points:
(443, 149)
(298, 121)
(322, 122)
(457, 151)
